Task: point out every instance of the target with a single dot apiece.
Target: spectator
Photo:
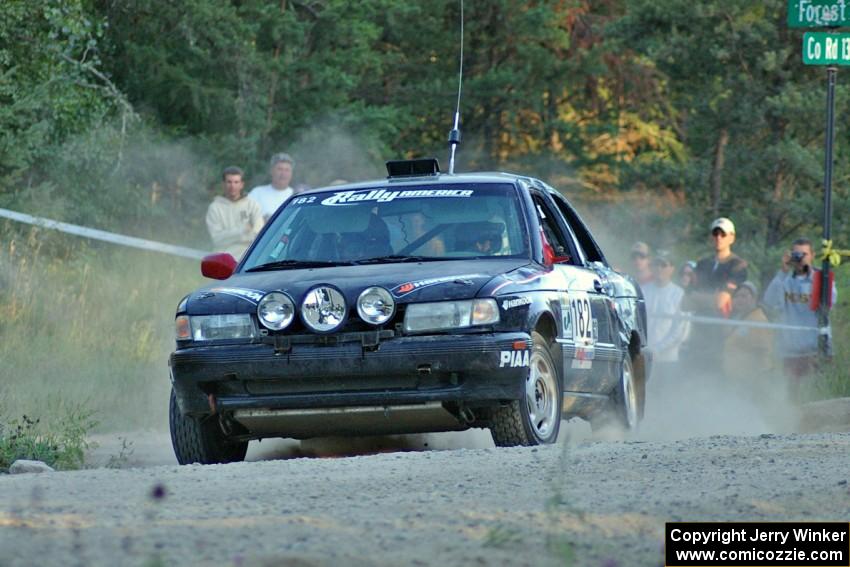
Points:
(233, 221)
(271, 197)
(748, 354)
(663, 306)
(716, 278)
(686, 274)
(641, 270)
(788, 295)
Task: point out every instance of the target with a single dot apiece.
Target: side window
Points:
(588, 245)
(559, 242)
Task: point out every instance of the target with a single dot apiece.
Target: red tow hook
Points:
(211, 399)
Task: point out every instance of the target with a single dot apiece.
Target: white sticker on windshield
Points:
(383, 196)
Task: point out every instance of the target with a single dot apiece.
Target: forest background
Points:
(652, 116)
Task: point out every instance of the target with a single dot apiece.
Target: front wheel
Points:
(201, 440)
(536, 419)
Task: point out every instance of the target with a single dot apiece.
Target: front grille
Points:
(343, 384)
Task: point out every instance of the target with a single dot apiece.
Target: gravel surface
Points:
(590, 502)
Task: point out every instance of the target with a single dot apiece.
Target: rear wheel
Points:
(626, 397)
(201, 440)
(624, 409)
(535, 419)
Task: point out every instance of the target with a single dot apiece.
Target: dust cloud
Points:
(697, 405)
(328, 151)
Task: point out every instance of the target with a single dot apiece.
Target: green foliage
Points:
(61, 445)
(734, 75)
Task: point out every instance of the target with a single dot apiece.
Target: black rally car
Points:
(423, 302)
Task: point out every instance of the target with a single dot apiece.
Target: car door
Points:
(584, 310)
(610, 347)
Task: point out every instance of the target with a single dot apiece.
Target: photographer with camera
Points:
(788, 296)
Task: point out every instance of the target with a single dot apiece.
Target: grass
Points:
(833, 379)
(60, 443)
(89, 324)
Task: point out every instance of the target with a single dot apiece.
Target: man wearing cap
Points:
(716, 278)
(640, 263)
(233, 221)
(271, 197)
(663, 306)
(789, 295)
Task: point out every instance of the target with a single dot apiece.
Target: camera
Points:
(797, 257)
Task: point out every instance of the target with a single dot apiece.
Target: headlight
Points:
(217, 327)
(375, 305)
(276, 311)
(323, 309)
(443, 315)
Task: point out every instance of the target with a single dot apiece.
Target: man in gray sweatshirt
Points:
(788, 295)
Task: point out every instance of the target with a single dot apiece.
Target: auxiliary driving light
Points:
(276, 311)
(375, 305)
(323, 309)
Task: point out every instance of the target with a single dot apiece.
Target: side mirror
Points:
(218, 266)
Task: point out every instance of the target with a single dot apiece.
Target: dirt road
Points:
(599, 503)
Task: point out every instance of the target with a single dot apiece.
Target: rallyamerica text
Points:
(744, 534)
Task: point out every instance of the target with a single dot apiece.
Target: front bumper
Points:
(466, 369)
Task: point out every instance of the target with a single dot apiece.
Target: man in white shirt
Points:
(271, 197)
(663, 306)
(232, 220)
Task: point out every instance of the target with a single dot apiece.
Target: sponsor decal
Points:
(252, 295)
(518, 302)
(408, 287)
(343, 198)
(513, 358)
(584, 358)
(515, 280)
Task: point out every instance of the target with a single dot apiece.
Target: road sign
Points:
(823, 48)
(818, 13)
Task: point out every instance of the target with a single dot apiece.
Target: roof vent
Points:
(413, 167)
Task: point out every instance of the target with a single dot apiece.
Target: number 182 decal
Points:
(581, 318)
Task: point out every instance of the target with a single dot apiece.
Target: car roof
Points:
(420, 180)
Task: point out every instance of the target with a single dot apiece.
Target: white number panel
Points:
(582, 319)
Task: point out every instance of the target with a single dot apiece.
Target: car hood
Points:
(408, 282)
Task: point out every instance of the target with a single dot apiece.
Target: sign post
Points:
(830, 49)
(824, 338)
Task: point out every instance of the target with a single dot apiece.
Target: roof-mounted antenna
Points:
(454, 135)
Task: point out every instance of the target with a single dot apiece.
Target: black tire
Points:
(536, 419)
(624, 410)
(201, 440)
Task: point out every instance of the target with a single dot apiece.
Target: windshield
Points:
(393, 224)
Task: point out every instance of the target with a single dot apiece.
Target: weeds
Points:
(120, 460)
(62, 445)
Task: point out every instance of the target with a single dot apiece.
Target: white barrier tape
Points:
(738, 323)
(104, 236)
